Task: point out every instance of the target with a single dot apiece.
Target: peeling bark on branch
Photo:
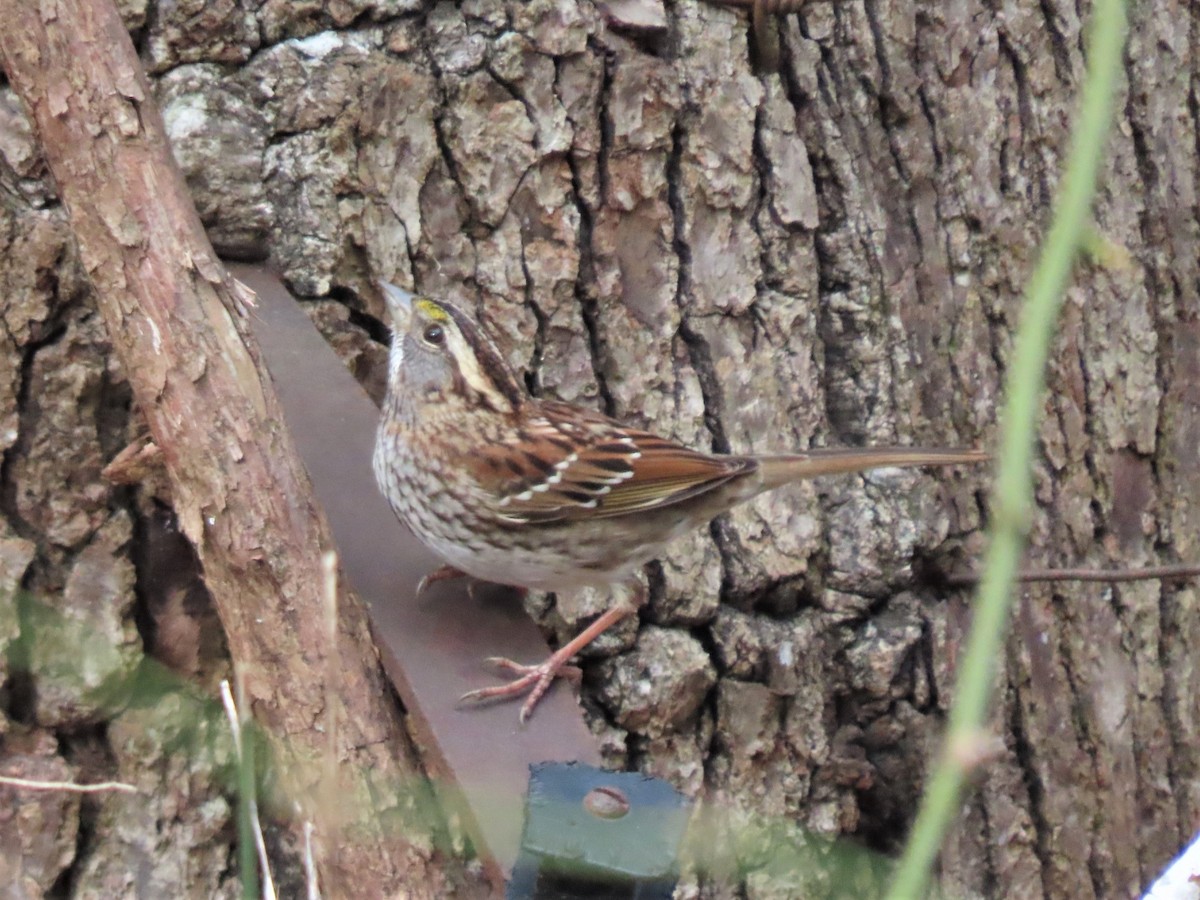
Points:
(239, 490)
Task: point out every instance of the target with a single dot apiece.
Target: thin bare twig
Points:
(1083, 573)
(235, 724)
(310, 868)
(231, 714)
(33, 784)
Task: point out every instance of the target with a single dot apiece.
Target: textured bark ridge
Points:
(240, 496)
(748, 261)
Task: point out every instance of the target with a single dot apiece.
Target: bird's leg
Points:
(536, 680)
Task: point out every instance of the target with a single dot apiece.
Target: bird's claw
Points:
(441, 573)
(534, 680)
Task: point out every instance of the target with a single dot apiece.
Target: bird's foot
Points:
(531, 680)
(449, 573)
(537, 679)
(441, 573)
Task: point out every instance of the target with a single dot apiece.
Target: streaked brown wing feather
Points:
(571, 464)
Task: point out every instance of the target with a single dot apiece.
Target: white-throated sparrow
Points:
(540, 494)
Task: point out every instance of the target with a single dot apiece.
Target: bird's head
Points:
(439, 353)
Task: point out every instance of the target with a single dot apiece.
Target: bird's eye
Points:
(434, 335)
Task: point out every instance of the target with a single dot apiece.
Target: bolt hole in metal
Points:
(606, 802)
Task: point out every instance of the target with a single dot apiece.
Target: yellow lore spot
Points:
(432, 311)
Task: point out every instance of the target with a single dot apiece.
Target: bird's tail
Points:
(777, 470)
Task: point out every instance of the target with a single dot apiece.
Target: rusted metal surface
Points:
(432, 647)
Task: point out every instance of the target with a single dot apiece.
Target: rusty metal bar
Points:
(431, 647)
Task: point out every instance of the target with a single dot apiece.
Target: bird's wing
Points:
(572, 464)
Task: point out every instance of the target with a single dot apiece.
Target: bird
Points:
(545, 495)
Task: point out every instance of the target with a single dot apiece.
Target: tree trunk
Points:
(239, 491)
(748, 260)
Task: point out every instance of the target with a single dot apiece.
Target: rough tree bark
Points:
(237, 486)
(751, 260)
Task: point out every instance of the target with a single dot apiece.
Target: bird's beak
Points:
(399, 304)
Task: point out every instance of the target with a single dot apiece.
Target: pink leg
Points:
(536, 680)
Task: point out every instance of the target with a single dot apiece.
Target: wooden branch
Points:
(239, 490)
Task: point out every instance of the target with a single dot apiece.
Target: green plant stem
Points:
(247, 856)
(1012, 496)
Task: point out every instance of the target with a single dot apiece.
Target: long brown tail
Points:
(777, 470)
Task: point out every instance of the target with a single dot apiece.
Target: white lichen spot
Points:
(186, 116)
(786, 654)
(318, 46)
